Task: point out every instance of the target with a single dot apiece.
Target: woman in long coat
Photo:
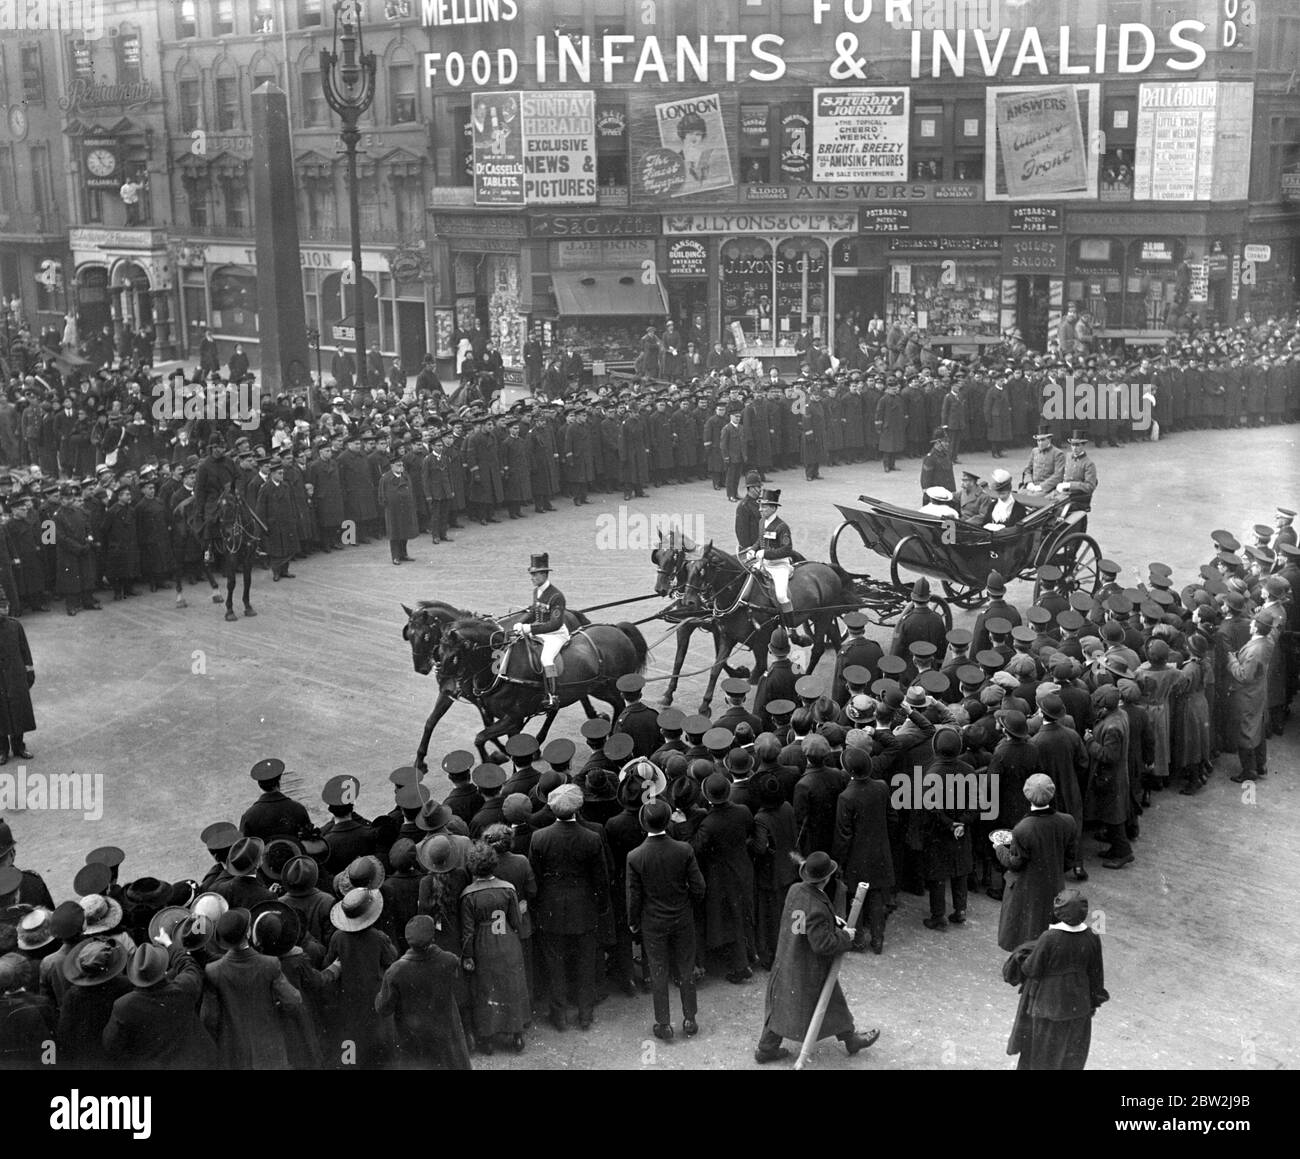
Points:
(1063, 985)
(1159, 684)
(401, 523)
(1193, 734)
(492, 954)
(722, 845)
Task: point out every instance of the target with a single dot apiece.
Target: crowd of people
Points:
(136, 485)
(673, 848)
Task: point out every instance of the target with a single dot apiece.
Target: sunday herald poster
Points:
(860, 134)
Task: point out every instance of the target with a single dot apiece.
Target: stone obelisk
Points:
(282, 322)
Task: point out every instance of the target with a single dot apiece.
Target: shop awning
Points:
(607, 292)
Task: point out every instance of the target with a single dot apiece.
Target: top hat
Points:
(771, 496)
(539, 562)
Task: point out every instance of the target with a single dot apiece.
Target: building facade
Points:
(752, 168)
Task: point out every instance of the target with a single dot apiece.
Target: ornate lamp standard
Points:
(348, 80)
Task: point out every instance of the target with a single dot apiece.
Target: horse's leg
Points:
(684, 634)
(209, 575)
(506, 725)
(546, 725)
(587, 706)
(725, 643)
(248, 582)
(440, 707)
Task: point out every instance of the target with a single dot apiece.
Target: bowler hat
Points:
(232, 928)
(818, 868)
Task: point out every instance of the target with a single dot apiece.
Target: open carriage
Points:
(960, 555)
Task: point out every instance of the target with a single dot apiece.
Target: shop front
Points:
(219, 290)
(772, 270)
(123, 280)
(598, 284)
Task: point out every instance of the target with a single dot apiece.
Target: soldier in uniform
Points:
(347, 835)
(544, 620)
(748, 519)
(919, 622)
(1046, 465)
(1080, 478)
(272, 814)
(74, 547)
(856, 649)
(464, 800)
(638, 719)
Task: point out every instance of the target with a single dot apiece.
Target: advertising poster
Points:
(796, 143)
(691, 154)
(1058, 121)
(498, 149)
(1040, 144)
(559, 143)
(1232, 138)
(1193, 141)
(860, 134)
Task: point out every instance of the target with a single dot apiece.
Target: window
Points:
(227, 103)
(33, 75)
(408, 205)
(128, 57)
(224, 23)
(314, 109)
(309, 13)
(755, 144)
(611, 147)
(187, 19)
(318, 193)
(401, 93)
(187, 90)
(368, 200)
(455, 164)
(83, 62)
(264, 71)
(196, 199)
(6, 179)
(261, 15)
(40, 182)
(234, 193)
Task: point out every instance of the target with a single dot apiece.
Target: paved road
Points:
(172, 707)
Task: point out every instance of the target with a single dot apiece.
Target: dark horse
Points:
(504, 676)
(234, 534)
(743, 608)
(673, 557)
(424, 627)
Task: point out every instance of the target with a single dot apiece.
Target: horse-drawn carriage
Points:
(960, 555)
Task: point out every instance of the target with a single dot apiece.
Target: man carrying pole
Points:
(804, 1000)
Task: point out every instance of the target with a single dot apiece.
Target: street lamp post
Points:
(348, 81)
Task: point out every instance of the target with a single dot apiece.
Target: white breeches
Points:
(779, 570)
(552, 642)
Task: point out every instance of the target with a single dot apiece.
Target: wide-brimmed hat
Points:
(276, 927)
(162, 925)
(195, 933)
(436, 854)
(278, 853)
(34, 929)
(102, 913)
(359, 910)
(818, 867)
(147, 966)
(95, 961)
(210, 905)
(433, 817)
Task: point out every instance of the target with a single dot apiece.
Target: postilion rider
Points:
(544, 621)
(773, 553)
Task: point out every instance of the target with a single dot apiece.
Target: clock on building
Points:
(17, 122)
(101, 162)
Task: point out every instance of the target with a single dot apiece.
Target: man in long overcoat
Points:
(278, 511)
(327, 497)
(358, 489)
(397, 500)
(722, 845)
(1108, 779)
(74, 553)
(1248, 698)
(861, 844)
(1041, 846)
(811, 939)
(17, 675)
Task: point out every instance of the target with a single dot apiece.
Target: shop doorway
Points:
(859, 296)
(688, 302)
(1033, 305)
(93, 312)
(412, 340)
(136, 305)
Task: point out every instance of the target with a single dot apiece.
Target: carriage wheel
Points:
(962, 596)
(1078, 557)
(835, 546)
(941, 606)
(901, 584)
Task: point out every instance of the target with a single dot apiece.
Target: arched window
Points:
(229, 108)
(234, 301)
(402, 97)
